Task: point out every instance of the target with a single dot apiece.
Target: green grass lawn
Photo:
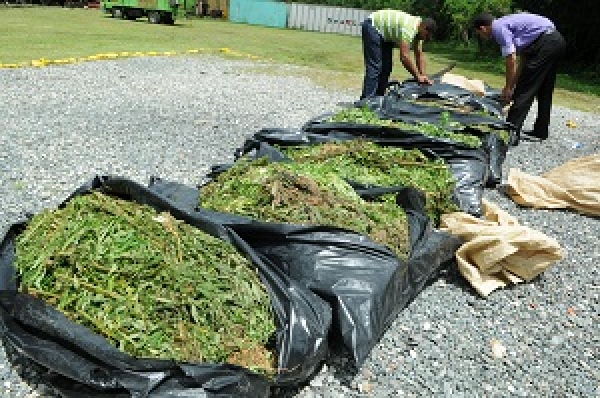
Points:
(332, 60)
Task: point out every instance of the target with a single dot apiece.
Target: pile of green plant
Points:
(154, 286)
(370, 164)
(449, 105)
(467, 109)
(366, 116)
(305, 194)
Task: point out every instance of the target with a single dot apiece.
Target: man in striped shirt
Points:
(381, 32)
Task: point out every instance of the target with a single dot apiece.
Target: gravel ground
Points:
(175, 117)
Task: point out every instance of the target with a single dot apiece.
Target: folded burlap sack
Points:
(574, 185)
(474, 86)
(498, 250)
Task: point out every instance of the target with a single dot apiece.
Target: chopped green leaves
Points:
(305, 194)
(366, 116)
(314, 189)
(370, 164)
(152, 285)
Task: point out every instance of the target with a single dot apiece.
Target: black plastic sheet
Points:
(411, 90)
(325, 283)
(496, 150)
(364, 282)
(82, 363)
(398, 104)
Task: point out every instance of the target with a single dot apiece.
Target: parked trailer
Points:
(157, 11)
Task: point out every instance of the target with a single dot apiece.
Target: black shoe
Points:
(534, 134)
(530, 138)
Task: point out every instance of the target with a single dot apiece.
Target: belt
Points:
(548, 31)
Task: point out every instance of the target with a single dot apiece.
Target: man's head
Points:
(427, 29)
(483, 25)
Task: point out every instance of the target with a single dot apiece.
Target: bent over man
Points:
(539, 46)
(381, 32)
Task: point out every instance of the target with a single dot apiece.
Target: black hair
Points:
(483, 19)
(430, 25)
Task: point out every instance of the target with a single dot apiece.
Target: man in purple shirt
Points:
(539, 46)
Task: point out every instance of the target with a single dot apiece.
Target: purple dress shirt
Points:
(516, 31)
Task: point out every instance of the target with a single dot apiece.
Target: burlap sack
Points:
(574, 185)
(497, 250)
(474, 86)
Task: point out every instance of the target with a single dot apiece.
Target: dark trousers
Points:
(378, 61)
(537, 79)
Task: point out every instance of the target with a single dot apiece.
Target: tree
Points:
(462, 12)
(578, 25)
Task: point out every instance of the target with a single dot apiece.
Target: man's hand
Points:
(423, 79)
(506, 95)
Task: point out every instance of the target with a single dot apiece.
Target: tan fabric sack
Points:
(497, 250)
(474, 86)
(574, 185)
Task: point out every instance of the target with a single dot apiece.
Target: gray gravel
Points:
(175, 117)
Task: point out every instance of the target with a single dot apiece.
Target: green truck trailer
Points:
(157, 11)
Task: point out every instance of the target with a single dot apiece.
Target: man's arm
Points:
(416, 72)
(420, 57)
(521, 62)
(511, 76)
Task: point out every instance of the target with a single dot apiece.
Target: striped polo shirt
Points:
(395, 26)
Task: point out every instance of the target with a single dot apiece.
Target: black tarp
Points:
(84, 364)
(384, 284)
(488, 103)
(473, 168)
(486, 116)
(396, 105)
(484, 121)
(325, 283)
